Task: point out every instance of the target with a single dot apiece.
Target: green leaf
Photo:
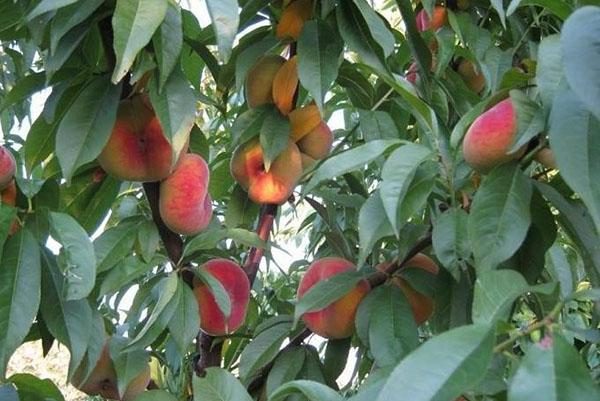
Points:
(553, 373)
(128, 364)
(134, 22)
(312, 390)
(148, 240)
(78, 255)
(175, 108)
(156, 395)
(500, 216)
(531, 119)
(286, 368)
(373, 225)
(217, 289)
(580, 41)
(123, 273)
(349, 160)
(442, 368)
(327, 291)
(45, 6)
(218, 385)
(392, 328)
(274, 136)
(264, 347)
(186, 319)
(377, 27)
(249, 124)
(33, 388)
(68, 17)
(550, 73)
(450, 240)
(23, 89)
(87, 125)
(495, 291)
(576, 144)
(209, 239)
(225, 18)
(498, 5)
(319, 52)
(8, 392)
(7, 215)
(20, 275)
(559, 7)
(397, 174)
(167, 43)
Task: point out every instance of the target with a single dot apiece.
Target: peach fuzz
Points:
(137, 149)
(422, 306)
(274, 186)
(259, 81)
(317, 144)
(489, 138)
(184, 204)
(424, 22)
(337, 319)
(284, 86)
(304, 120)
(7, 167)
(293, 18)
(236, 283)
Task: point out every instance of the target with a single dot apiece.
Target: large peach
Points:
(284, 86)
(293, 18)
(422, 306)
(137, 149)
(303, 121)
(237, 286)
(259, 81)
(473, 78)
(103, 380)
(7, 167)
(317, 144)
(273, 186)
(490, 137)
(337, 319)
(424, 22)
(184, 204)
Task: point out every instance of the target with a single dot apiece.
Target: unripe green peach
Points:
(337, 319)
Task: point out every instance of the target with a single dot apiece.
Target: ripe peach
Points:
(184, 204)
(8, 196)
(473, 78)
(284, 86)
(273, 186)
(490, 137)
(440, 16)
(103, 380)
(259, 81)
(317, 144)
(293, 18)
(412, 74)
(303, 121)
(237, 285)
(422, 306)
(7, 167)
(137, 149)
(337, 319)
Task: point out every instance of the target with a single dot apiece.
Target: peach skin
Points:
(473, 78)
(293, 18)
(304, 120)
(284, 86)
(337, 319)
(8, 196)
(7, 167)
(317, 144)
(259, 81)
(424, 22)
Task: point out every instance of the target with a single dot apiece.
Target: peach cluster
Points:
(138, 150)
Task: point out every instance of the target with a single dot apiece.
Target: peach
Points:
(274, 186)
(102, 380)
(293, 18)
(8, 196)
(185, 205)
(303, 121)
(284, 86)
(236, 284)
(412, 74)
(137, 149)
(473, 78)
(337, 319)
(317, 144)
(489, 138)
(7, 167)
(424, 22)
(259, 81)
(422, 306)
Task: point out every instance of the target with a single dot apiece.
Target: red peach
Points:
(337, 319)
(237, 285)
(184, 202)
(137, 149)
(7, 167)
(440, 16)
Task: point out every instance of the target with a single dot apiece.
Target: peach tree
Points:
(323, 200)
